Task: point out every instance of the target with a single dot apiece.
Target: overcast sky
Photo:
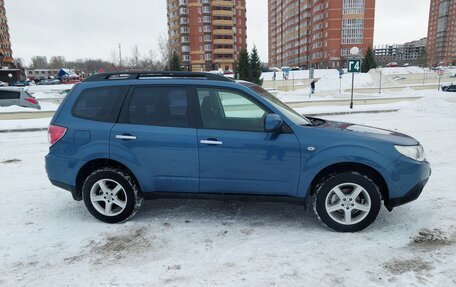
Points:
(93, 28)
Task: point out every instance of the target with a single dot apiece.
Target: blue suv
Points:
(120, 137)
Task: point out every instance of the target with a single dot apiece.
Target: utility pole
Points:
(120, 56)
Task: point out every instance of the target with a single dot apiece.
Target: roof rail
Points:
(156, 74)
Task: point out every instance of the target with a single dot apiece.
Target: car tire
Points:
(445, 89)
(111, 195)
(347, 202)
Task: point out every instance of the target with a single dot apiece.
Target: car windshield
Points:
(289, 112)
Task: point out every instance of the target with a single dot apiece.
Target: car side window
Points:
(229, 110)
(159, 106)
(9, 95)
(100, 104)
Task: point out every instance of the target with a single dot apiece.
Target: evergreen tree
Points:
(369, 61)
(243, 66)
(175, 63)
(255, 67)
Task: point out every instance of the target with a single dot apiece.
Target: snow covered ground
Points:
(47, 239)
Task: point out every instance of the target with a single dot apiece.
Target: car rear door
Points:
(155, 136)
(236, 154)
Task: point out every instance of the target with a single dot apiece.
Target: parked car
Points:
(449, 88)
(21, 84)
(3, 84)
(49, 82)
(118, 138)
(18, 97)
(392, 65)
(453, 76)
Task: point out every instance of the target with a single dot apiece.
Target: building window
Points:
(352, 31)
(353, 7)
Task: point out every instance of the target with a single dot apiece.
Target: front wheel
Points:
(111, 195)
(347, 202)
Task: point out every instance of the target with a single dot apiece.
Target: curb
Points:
(313, 115)
(23, 130)
(354, 112)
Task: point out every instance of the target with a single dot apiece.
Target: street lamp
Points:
(10, 76)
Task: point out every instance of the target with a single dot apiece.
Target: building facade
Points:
(207, 34)
(318, 33)
(412, 53)
(441, 46)
(6, 54)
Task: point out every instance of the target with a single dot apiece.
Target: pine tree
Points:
(243, 65)
(175, 64)
(369, 61)
(255, 67)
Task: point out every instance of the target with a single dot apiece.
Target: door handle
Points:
(125, 137)
(211, 142)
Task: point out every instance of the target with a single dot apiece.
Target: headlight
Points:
(415, 152)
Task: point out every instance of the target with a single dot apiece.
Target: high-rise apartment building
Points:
(6, 55)
(441, 46)
(411, 53)
(207, 34)
(318, 33)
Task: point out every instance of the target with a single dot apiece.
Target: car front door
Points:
(236, 154)
(155, 137)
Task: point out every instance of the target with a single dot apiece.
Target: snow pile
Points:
(431, 104)
(331, 82)
(402, 70)
(45, 107)
(301, 75)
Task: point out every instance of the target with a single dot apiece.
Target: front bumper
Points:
(412, 195)
(406, 179)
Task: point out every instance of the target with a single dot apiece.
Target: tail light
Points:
(55, 133)
(32, 100)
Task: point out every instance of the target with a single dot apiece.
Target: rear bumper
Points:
(68, 187)
(60, 172)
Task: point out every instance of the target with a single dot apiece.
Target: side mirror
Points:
(272, 123)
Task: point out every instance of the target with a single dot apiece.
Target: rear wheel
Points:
(347, 202)
(111, 195)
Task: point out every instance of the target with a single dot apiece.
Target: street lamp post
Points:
(10, 76)
(354, 66)
(380, 88)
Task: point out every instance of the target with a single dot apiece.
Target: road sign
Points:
(440, 72)
(354, 66)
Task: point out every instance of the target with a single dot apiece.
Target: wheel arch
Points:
(364, 169)
(93, 165)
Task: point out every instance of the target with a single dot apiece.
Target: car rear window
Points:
(9, 95)
(159, 106)
(100, 104)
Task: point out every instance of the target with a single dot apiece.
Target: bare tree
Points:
(57, 62)
(39, 62)
(114, 57)
(166, 50)
(135, 57)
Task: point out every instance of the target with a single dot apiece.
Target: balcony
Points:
(223, 32)
(222, 13)
(223, 51)
(222, 3)
(223, 41)
(222, 22)
(223, 61)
